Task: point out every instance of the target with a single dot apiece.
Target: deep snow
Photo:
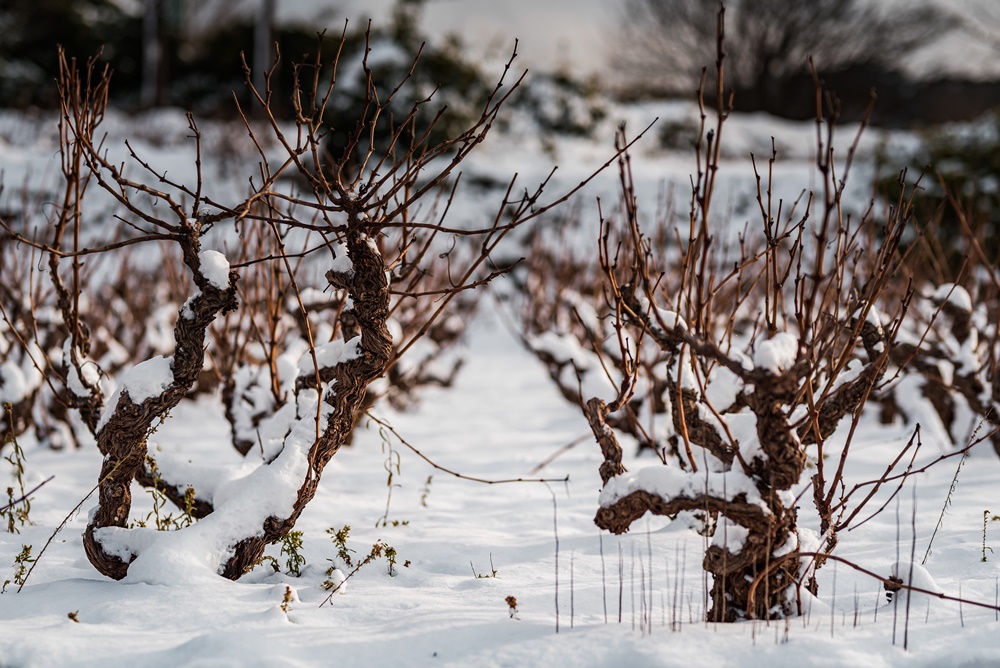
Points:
(502, 419)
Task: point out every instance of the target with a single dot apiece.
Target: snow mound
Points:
(955, 295)
(145, 380)
(777, 354)
(215, 267)
(915, 575)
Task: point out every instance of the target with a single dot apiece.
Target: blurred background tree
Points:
(768, 42)
(187, 53)
(957, 168)
(856, 45)
(31, 30)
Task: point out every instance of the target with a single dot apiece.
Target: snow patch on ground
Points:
(955, 295)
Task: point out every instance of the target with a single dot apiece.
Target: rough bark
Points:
(369, 292)
(122, 439)
(16, 421)
(686, 416)
(768, 529)
(597, 415)
(90, 405)
(843, 400)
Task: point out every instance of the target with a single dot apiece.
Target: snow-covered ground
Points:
(500, 421)
(635, 600)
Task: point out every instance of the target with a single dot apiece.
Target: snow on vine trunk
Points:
(150, 390)
(247, 514)
(753, 456)
(758, 514)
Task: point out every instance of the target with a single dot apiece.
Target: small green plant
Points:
(286, 601)
(21, 571)
(291, 545)
(481, 576)
(392, 468)
(379, 549)
(18, 507)
(426, 491)
(390, 556)
(986, 516)
(339, 538)
(189, 496)
(986, 520)
(268, 559)
(947, 501)
(167, 521)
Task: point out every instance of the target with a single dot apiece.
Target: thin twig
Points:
(796, 555)
(390, 429)
(25, 496)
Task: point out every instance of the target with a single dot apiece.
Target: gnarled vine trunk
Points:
(122, 436)
(753, 505)
(347, 381)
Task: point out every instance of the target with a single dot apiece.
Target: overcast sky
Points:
(580, 34)
(552, 33)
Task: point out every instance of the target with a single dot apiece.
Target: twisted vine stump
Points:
(341, 385)
(346, 384)
(122, 435)
(760, 519)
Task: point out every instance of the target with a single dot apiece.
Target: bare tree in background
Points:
(769, 42)
(980, 19)
(194, 23)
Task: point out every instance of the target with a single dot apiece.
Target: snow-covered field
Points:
(463, 548)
